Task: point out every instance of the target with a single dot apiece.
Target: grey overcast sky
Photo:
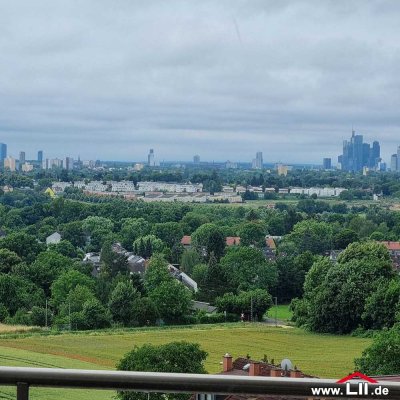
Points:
(223, 79)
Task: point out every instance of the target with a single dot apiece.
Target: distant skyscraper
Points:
(258, 161)
(357, 155)
(150, 159)
(196, 159)
(375, 154)
(398, 158)
(393, 163)
(22, 157)
(327, 163)
(3, 152)
(40, 156)
(69, 163)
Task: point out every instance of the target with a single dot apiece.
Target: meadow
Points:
(320, 355)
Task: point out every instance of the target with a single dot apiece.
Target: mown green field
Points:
(281, 312)
(320, 355)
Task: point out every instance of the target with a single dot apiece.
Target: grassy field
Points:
(281, 312)
(321, 355)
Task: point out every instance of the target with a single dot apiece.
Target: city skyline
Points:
(218, 77)
(150, 158)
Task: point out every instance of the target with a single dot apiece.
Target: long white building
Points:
(320, 192)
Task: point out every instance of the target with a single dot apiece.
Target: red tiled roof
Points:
(270, 243)
(391, 245)
(232, 240)
(186, 240)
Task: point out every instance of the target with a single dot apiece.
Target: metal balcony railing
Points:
(25, 378)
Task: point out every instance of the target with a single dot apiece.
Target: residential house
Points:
(136, 264)
(394, 251)
(232, 241)
(183, 278)
(54, 238)
(203, 306)
(244, 366)
(269, 250)
(186, 242)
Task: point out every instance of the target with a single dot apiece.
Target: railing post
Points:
(22, 391)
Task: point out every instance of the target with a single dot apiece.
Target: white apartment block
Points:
(320, 192)
(169, 187)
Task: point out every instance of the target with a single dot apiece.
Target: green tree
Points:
(381, 305)
(113, 261)
(172, 300)
(343, 238)
(73, 232)
(335, 295)
(310, 235)
(169, 232)
(93, 223)
(47, 267)
(146, 246)
(252, 233)
(67, 281)
(156, 273)
(64, 248)
(256, 301)
(8, 260)
(76, 299)
(246, 268)
(133, 228)
(175, 357)
(122, 303)
(210, 237)
(95, 315)
(382, 357)
(25, 246)
(17, 293)
(145, 312)
(189, 259)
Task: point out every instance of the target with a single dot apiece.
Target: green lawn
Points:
(281, 312)
(321, 355)
(15, 357)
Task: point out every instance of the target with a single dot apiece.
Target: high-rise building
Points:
(398, 158)
(56, 163)
(68, 163)
(357, 155)
(258, 161)
(3, 152)
(196, 159)
(150, 159)
(10, 163)
(22, 157)
(393, 163)
(40, 156)
(375, 154)
(46, 164)
(327, 163)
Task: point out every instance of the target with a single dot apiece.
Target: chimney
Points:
(276, 373)
(294, 373)
(227, 362)
(254, 369)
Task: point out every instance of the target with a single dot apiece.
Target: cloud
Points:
(222, 79)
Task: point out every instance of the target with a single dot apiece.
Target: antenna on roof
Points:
(286, 364)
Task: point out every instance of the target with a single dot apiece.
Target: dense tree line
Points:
(32, 272)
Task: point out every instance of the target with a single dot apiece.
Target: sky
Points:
(223, 79)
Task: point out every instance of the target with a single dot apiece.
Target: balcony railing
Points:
(25, 378)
